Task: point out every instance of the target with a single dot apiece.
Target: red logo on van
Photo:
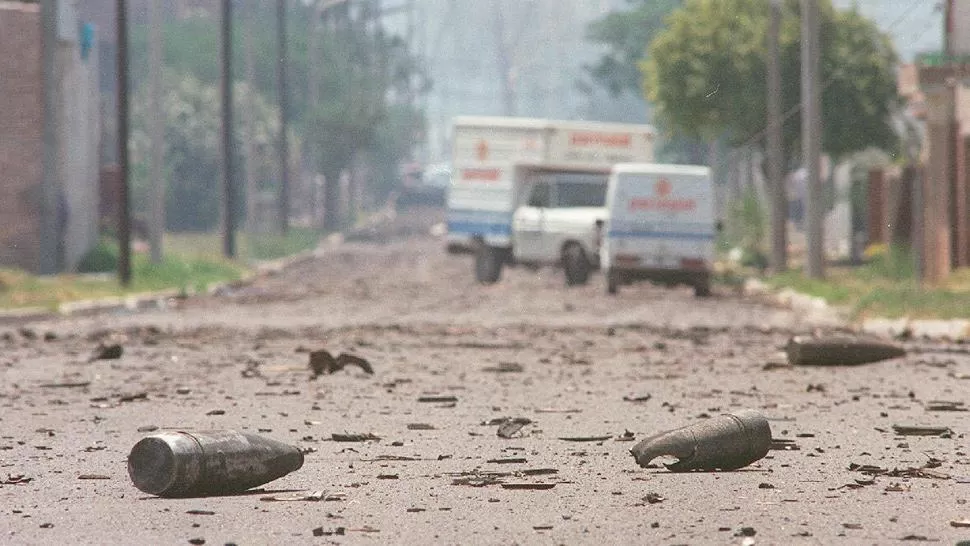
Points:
(661, 201)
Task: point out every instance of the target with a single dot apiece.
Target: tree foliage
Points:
(360, 71)
(626, 35)
(706, 72)
(191, 117)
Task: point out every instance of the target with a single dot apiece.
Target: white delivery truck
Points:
(660, 226)
(531, 191)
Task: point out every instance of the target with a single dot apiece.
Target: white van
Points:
(660, 226)
(530, 191)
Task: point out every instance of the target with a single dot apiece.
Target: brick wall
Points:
(21, 126)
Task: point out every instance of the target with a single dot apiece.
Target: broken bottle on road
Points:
(182, 464)
(726, 442)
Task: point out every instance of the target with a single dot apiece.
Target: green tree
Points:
(190, 110)
(706, 73)
(360, 70)
(626, 35)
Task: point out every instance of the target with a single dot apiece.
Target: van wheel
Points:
(612, 281)
(576, 265)
(488, 264)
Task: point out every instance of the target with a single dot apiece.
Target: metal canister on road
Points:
(184, 464)
(725, 442)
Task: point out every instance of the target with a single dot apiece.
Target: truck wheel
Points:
(612, 281)
(703, 288)
(488, 264)
(576, 265)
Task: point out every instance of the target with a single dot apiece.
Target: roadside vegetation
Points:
(191, 264)
(884, 286)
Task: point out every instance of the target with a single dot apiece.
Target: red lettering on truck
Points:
(609, 140)
(484, 175)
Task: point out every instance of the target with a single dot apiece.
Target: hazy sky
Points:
(915, 25)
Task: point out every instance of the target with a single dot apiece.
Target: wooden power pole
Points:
(776, 181)
(812, 141)
(228, 148)
(50, 183)
(124, 203)
(284, 197)
(157, 123)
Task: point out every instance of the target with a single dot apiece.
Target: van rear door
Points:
(661, 217)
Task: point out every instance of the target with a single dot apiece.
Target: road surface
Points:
(578, 364)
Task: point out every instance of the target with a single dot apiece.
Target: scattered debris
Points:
(244, 461)
(961, 524)
(529, 486)
(420, 426)
(315, 496)
(925, 471)
(509, 426)
(783, 444)
(93, 477)
(727, 442)
(438, 399)
(536, 472)
(504, 367)
(943, 405)
(320, 532)
(508, 460)
(586, 438)
(66, 385)
(653, 498)
(108, 352)
(322, 362)
(746, 532)
(216, 412)
(200, 512)
(337, 437)
(16, 479)
(636, 398)
(839, 351)
(387, 476)
(907, 430)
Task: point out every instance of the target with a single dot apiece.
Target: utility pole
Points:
(156, 118)
(51, 181)
(250, 147)
(228, 149)
(812, 140)
(776, 181)
(124, 210)
(284, 197)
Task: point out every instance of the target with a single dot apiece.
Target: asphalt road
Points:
(577, 363)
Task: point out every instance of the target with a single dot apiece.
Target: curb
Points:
(938, 329)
